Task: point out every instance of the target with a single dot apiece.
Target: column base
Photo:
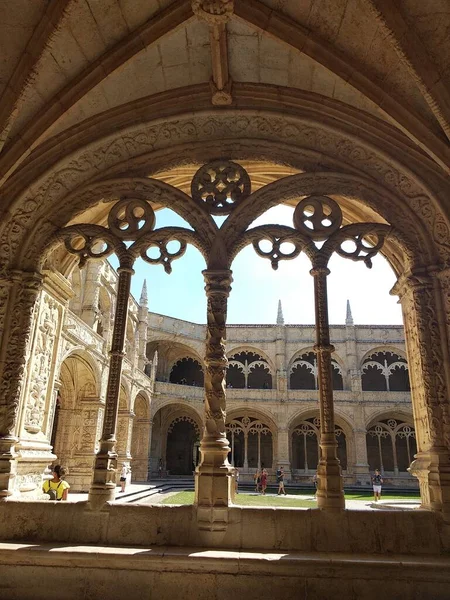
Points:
(214, 493)
(432, 469)
(8, 466)
(330, 490)
(99, 495)
(103, 486)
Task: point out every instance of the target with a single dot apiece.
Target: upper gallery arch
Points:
(400, 193)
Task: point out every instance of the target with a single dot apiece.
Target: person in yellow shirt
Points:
(57, 488)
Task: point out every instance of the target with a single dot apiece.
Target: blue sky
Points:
(256, 288)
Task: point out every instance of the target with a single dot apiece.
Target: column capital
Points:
(415, 280)
(319, 270)
(217, 281)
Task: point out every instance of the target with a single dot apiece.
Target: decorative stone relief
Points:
(41, 363)
(151, 137)
(428, 385)
(20, 315)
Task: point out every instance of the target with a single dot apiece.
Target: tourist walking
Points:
(257, 478)
(263, 482)
(57, 488)
(280, 480)
(377, 482)
(236, 480)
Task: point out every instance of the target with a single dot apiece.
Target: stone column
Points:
(354, 373)
(90, 308)
(283, 452)
(280, 358)
(18, 296)
(214, 485)
(104, 481)
(427, 350)
(92, 411)
(124, 432)
(330, 493)
(38, 397)
(361, 469)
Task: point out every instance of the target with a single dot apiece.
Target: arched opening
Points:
(385, 371)
(391, 445)
(303, 373)
(78, 419)
(175, 362)
(305, 449)
(187, 371)
(251, 443)
(248, 370)
(182, 447)
(174, 445)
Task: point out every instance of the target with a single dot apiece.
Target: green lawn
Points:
(290, 501)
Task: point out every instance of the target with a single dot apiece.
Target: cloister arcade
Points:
(220, 110)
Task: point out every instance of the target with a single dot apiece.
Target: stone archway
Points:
(78, 419)
(183, 435)
(396, 192)
(167, 437)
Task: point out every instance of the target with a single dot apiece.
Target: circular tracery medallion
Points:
(220, 185)
(317, 217)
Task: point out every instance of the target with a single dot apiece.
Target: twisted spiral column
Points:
(214, 489)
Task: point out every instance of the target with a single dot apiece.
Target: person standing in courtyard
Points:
(123, 476)
(263, 482)
(280, 480)
(236, 480)
(257, 478)
(377, 482)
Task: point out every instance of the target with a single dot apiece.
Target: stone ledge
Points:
(207, 560)
(269, 529)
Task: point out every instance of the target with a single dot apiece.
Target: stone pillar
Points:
(280, 360)
(90, 310)
(38, 398)
(18, 296)
(92, 412)
(104, 481)
(214, 485)
(354, 373)
(283, 452)
(330, 492)
(143, 327)
(124, 432)
(427, 350)
(361, 466)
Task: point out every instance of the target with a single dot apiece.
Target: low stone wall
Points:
(378, 532)
(73, 572)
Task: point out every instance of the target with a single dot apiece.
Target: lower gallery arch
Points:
(305, 449)
(251, 439)
(391, 446)
(175, 441)
(78, 419)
